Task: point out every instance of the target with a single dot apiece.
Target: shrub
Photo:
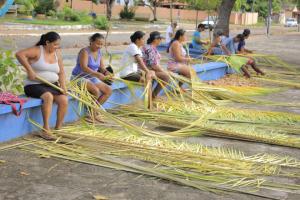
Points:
(43, 6)
(101, 23)
(127, 13)
(26, 6)
(52, 13)
(70, 15)
(11, 78)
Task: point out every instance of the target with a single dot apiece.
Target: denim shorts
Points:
(90, 79)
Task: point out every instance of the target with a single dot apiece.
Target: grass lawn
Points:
(45, 21)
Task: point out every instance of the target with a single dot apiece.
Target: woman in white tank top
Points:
(43, 60)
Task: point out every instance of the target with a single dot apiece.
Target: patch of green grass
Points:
(46, 21)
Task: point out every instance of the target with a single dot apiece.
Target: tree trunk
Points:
(197, 13)
(171, 11)
(109, 5)
(269, 17)
(224, 16)
(154, 10)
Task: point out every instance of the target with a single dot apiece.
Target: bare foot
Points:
(92, 120)
(47, 135)
(247, 75)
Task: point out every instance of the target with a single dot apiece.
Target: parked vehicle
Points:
(210, 22)
(291, 22)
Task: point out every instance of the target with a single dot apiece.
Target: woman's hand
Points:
(100, 76)
(64, 88)
(151, 74)
(109, 76)
(31, 75)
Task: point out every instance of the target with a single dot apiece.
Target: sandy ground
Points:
(25, 176)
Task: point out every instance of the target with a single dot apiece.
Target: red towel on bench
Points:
(10, 99)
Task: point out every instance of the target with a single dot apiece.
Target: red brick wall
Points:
(162, 13)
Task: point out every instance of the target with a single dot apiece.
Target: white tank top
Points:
(43, 69)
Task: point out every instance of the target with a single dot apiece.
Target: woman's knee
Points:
(163, 76)
(47, 97)
(62, 100)
(107, 90)
(93, 89)
(185, 71)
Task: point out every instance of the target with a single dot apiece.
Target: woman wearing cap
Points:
(152, 58)
(89, 61)
(45, 60)
(133, 66)
(178, 55)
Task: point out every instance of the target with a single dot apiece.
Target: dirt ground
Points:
(25, 176)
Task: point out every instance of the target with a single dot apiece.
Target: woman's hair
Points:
(246, 32)
(153, 36)
(241, 37)
(178, 34)
(136, 35)
(50, 37)
(96, 36)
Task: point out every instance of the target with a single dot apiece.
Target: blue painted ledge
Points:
(12, 126)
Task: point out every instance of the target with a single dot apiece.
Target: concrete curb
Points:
(18, 26)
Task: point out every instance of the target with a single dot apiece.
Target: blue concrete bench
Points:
(12, 126)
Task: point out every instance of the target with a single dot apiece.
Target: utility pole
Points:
(269, 18)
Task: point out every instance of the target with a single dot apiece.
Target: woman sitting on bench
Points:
(152, 58)
(45, 60)
(178, 55)
(89, 61)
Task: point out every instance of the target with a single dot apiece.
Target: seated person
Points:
(89, 60)
(152, 58)
(216, 47)
(197, 42)
(178, 56)
(45, 60)
(133, 66)
(241, 46)
(170, 32)
(239, 63)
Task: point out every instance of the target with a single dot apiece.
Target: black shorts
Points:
(37, 90)
(135, 76)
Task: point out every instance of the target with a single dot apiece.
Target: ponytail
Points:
(50, 37)
(178, 34)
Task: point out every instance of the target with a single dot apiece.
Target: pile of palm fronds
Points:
(278, 71)
(192, 119)
(216, 170)
(192, 113)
